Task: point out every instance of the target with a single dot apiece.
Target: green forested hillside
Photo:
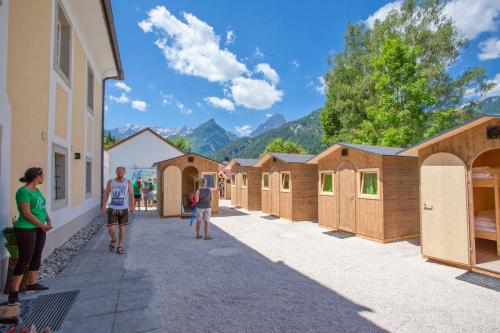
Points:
(491, 105)
(306, 131)
(209, 137)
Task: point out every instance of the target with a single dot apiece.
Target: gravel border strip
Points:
(62, 255)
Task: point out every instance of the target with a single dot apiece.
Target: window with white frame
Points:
(211, 178)
(59, 177)
(88, 178)
(265, 181)
(368, 182)
(326, 182)
(90, 89)
(286, 182)
(62, 53)
(244, 180)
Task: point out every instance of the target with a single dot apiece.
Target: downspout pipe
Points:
(103, 101)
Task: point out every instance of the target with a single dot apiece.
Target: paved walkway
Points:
(261, 274)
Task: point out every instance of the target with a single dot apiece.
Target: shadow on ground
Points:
(225, 286)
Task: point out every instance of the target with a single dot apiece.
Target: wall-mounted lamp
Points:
(190, 159)
(345, 152)
(77, 156)
(274, 159)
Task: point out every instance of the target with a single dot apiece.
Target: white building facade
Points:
(138, 152)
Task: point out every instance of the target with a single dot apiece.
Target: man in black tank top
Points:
(203, 200)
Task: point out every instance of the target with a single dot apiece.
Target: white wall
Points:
(5, 119)
(139, 153)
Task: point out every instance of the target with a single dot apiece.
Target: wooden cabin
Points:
(460, 195)
(178, 181)
(368, 191)
(289, 186)
(247, 187)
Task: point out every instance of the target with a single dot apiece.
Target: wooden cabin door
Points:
(275, 192)
(238, 189)
(172, 192)
(443, 200)
(347, 198)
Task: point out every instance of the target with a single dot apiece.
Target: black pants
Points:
(30, 243)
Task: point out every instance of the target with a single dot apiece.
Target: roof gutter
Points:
(110, 28)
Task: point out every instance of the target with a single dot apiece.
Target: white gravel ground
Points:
(261, 275)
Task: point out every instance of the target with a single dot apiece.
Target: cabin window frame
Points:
(320, 182)
(233, 180)
(208, 173)
(283, 173)
(360, 183)
(244, 176)
(90, 89)
(265, 188)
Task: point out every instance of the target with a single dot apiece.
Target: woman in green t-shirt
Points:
(30, 230)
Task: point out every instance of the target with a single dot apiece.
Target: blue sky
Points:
(187, 61)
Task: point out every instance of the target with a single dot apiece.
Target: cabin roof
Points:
(413, 151)
(185, 155)
(287, 158)
(245, 162)
(375, 150)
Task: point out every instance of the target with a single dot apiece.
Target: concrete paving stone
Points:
(275, 276)
(136, 285)
(90, 307)
(135, 300)
(98, 324)
(135, 321)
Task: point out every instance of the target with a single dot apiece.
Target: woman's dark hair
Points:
(31, 174)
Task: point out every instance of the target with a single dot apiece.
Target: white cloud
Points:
(123, 86)
(230, 37)
(199, 104)
(496, 89)
(167, 99)
(106, 109)
(220, 103)
(191, 46)
(490, 49)
(295, 64)
(139, 105)
(474, 17)
(184, 109)
(382, 13)
(258, 53)
(321, 87)
(122, 99)
(268, 71)
(254, 94)
(268, 115)
(244, 130)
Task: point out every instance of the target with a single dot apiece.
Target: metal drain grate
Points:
(50, 310)
(481, 280)
(339, 234)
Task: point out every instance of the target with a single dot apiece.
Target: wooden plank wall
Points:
(254, 188)
(369, 212)
(200, 163)
(401, 197)
(467, 145)
(285, 210)
(305, 189)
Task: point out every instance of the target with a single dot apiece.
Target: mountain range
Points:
(125, 131)
(306, 131)
(275, 121)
